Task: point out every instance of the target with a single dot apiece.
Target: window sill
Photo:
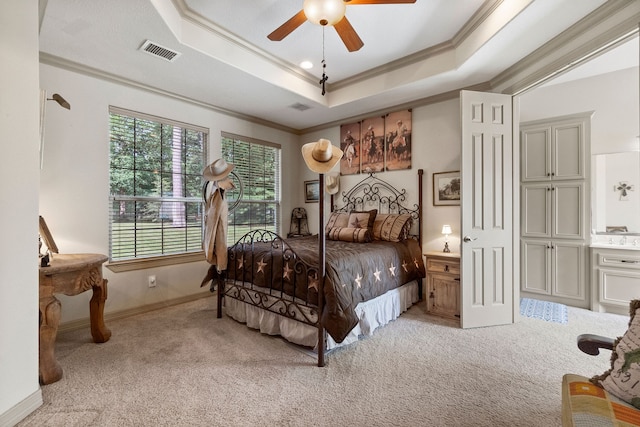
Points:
(152, 262)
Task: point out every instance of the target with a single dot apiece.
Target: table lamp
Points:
(446, 230)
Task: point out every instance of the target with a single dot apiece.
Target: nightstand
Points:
(443, 284)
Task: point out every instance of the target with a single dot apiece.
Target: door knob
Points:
(468, 239)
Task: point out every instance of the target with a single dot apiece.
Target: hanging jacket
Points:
(215, 230)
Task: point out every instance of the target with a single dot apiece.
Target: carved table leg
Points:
(50, 369)
(99, 331)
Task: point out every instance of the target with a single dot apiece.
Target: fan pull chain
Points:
(324, 66)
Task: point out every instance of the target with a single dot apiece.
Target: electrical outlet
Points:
(152, 281)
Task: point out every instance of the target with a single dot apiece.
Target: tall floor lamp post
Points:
(321, 156)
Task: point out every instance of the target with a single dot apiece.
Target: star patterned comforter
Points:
(355, 272)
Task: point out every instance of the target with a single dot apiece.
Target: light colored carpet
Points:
(180, 366)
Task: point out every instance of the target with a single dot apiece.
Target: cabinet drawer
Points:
(618, 287)
(443, 266)
(627, 261)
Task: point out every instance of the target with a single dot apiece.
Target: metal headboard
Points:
(375, 193)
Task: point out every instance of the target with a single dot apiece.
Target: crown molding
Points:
(75, 67)
(579, 43)
(480, 16)
(194, 17)
(434, 99)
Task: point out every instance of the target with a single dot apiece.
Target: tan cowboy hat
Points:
(332, 183)
(321, 156)
(217, 170)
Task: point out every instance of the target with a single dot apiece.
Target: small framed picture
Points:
(446, 188)
(312, 191)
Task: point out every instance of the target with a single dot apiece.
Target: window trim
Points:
(156, 261)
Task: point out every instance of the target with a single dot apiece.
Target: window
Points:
(156, 186)
(257, 163)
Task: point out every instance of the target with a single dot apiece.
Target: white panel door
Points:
(535, 210)
(536, 266)
(568, 210)
(568, 150)
(568, 269)
(487, 292)
(536, 153)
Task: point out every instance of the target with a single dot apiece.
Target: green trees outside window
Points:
(156, 183)
(257, 164)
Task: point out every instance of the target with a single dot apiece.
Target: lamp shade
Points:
(446, 230)
(324, 12)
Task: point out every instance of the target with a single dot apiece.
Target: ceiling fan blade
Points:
(348, 35)
(285, 29)
(350, 2)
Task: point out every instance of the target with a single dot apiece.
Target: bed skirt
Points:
(371, 314)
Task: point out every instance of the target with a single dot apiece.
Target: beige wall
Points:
(74, 184)
(612, 96)
(435, 139)
(19, 117)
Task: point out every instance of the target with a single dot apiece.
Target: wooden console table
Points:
(69, 274)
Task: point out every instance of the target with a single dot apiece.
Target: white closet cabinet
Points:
(554, 268)
(554, 205)
(554, 151)
(553, 210)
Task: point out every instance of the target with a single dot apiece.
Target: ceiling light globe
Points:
(324, 12)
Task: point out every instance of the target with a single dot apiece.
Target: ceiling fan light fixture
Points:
(324, 12)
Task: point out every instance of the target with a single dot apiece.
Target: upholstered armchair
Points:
(591, 344)
(587, 404)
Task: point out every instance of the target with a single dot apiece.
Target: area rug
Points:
(544, 310)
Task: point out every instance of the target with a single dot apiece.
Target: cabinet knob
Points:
(446, 268)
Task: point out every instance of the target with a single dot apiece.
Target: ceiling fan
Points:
(329, 12)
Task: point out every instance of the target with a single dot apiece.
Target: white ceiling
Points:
(411, 51)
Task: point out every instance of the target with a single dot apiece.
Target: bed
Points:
(373, 271)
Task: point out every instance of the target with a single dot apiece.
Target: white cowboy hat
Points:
(321, 156)
(217, 170)
(332, 183)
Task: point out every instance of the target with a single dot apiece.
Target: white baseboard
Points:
(86, 322)
(20, 411)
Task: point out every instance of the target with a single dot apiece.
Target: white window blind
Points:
(155, 186)
(257, 164)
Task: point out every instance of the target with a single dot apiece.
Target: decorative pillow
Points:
(362, 219)
(350, 234)
(337, 219)
(391, 227)
(623, 379)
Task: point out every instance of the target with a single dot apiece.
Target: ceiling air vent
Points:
(300, 107)
(160, 51)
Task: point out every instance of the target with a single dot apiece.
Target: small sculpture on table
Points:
(299, 226)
